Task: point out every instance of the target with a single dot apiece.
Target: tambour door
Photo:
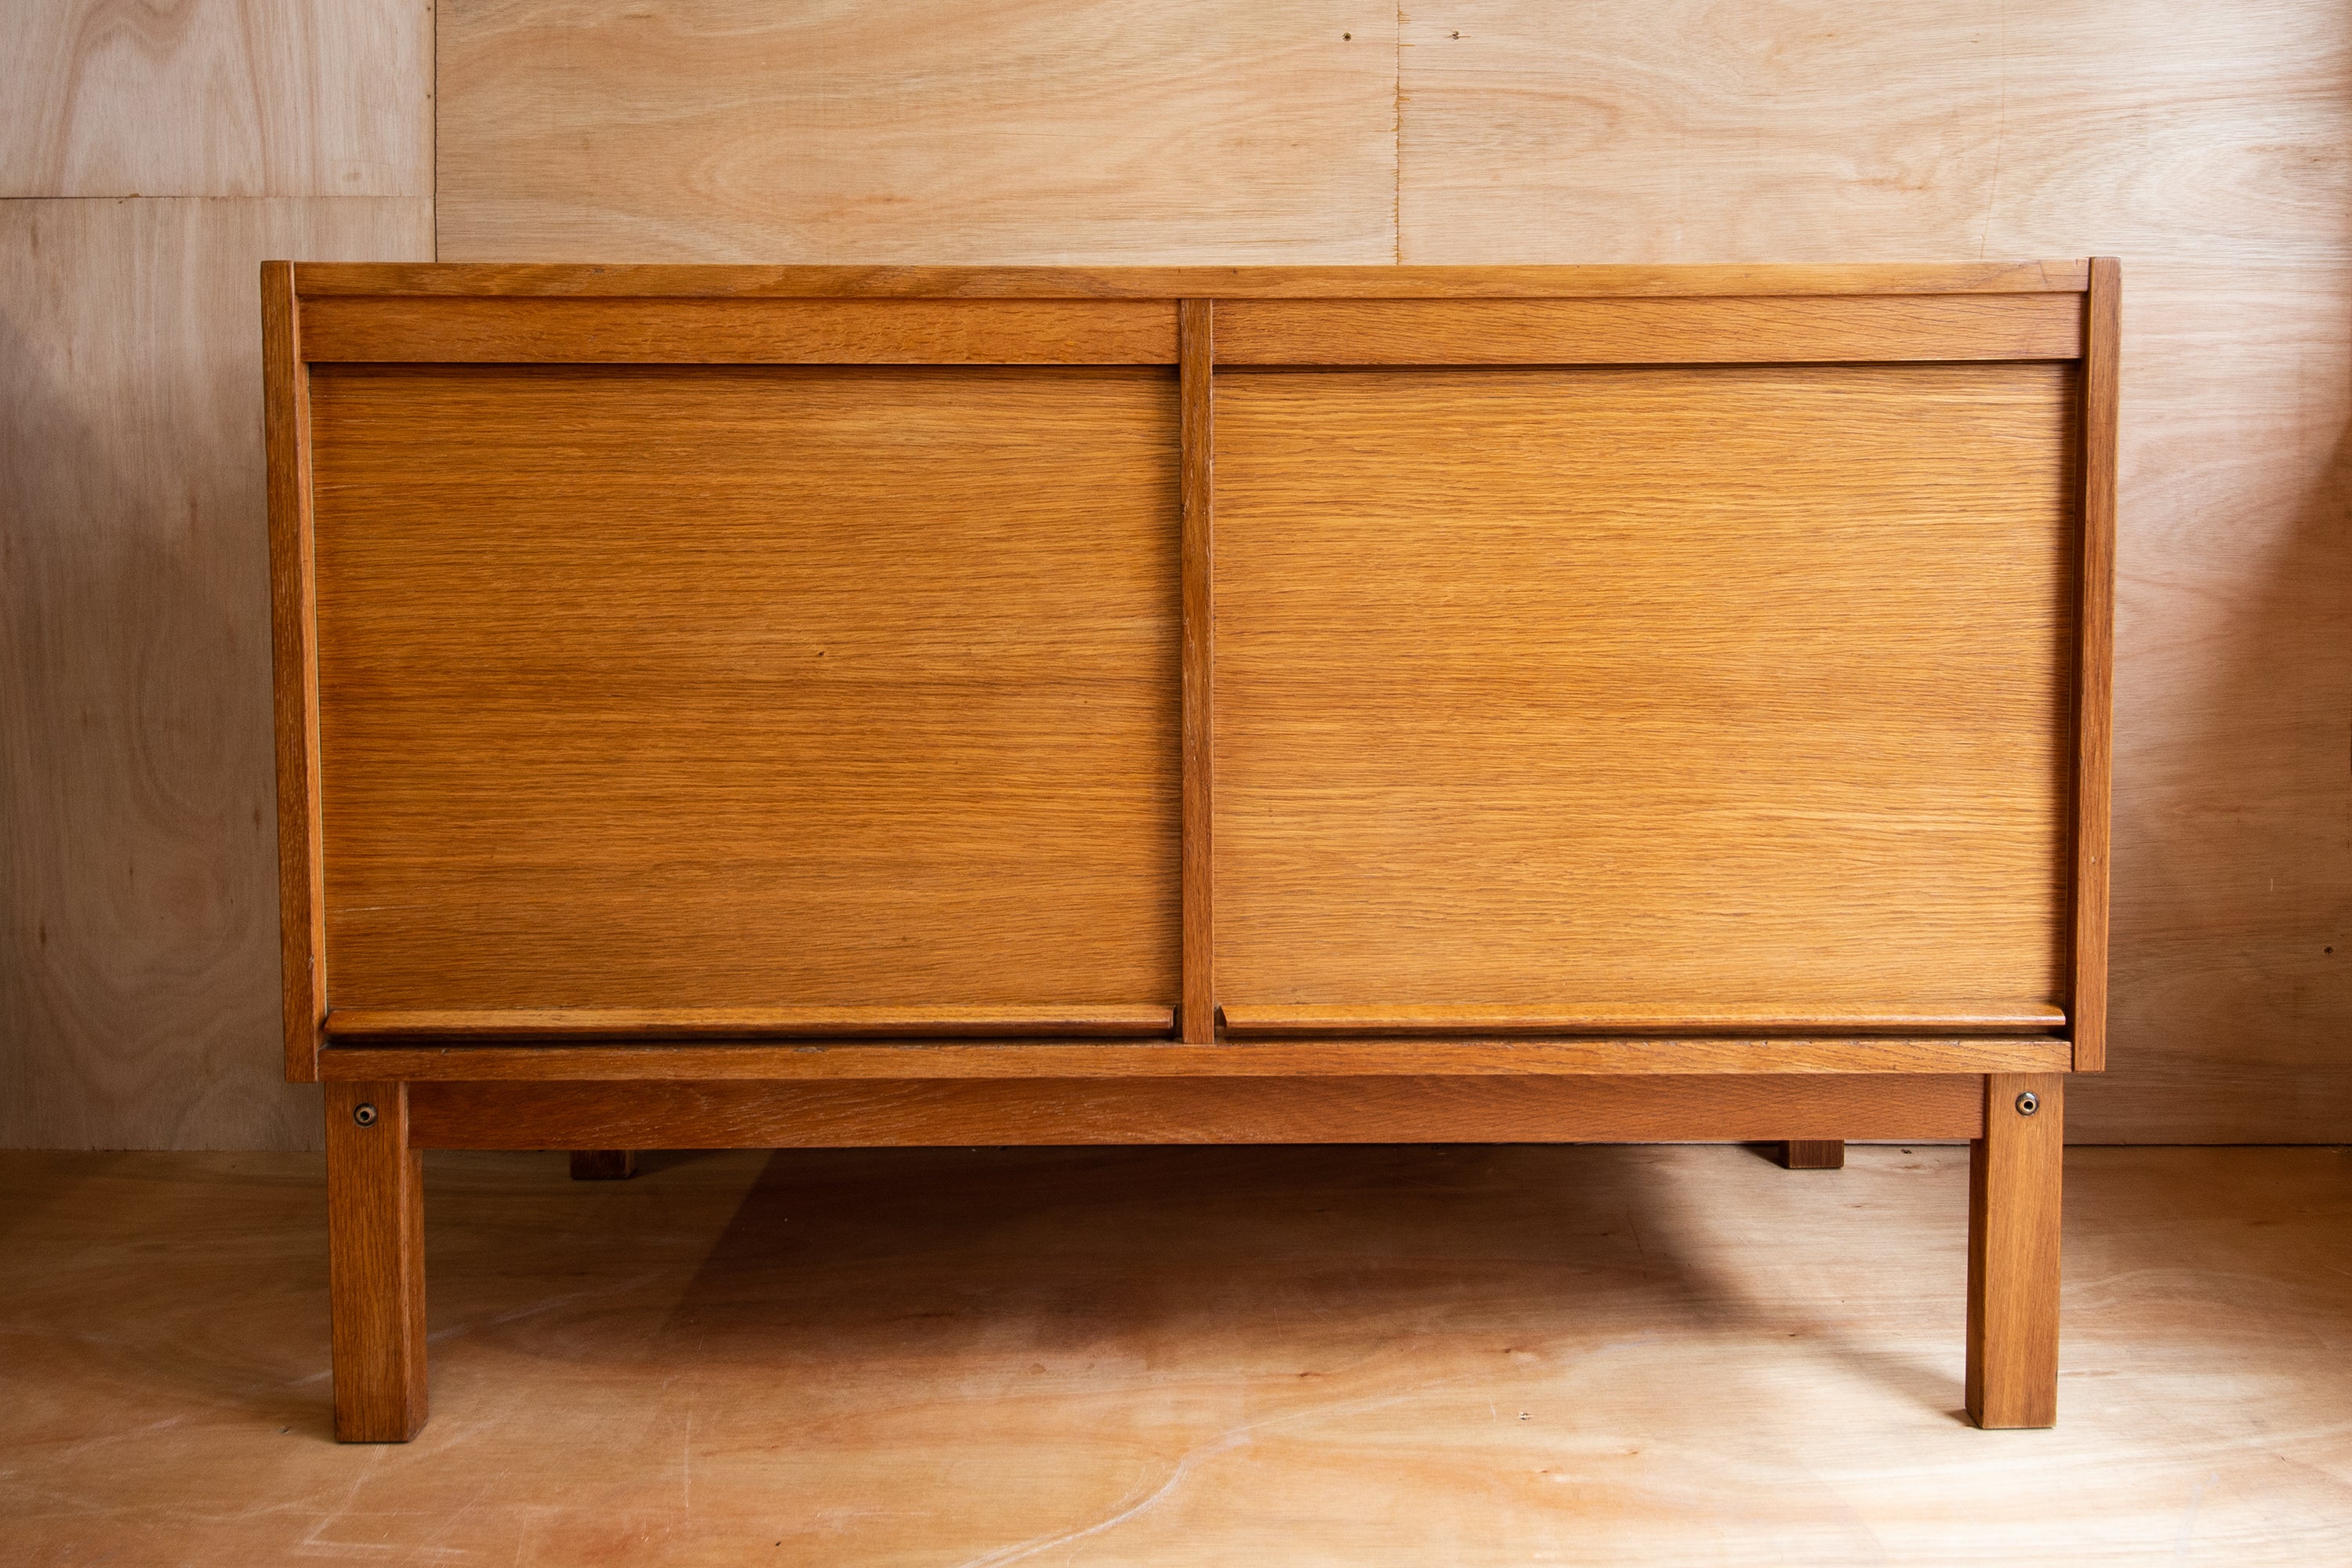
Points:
(1654, 693)
(663, 687)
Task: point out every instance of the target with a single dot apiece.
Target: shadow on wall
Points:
(2232, 985)
(140, 937)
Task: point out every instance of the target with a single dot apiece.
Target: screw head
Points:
(2028, 1103)
(363, 1114)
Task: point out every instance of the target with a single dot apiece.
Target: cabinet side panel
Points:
(693, 687)
(1677, 688)
(286, 425)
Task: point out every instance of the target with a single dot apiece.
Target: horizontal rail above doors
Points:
(752, 1115)
(536, 330)
(968, 1059)
(1691, 330)
(1931, 328)
(447, 1026)
(320, 280)
(1295, 1021)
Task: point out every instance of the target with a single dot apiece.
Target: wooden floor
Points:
(1414, 1355)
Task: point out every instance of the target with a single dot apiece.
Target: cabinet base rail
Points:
(375, 1130)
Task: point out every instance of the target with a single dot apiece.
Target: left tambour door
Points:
(675, 687)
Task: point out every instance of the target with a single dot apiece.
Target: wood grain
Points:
(2094, 673)
(745, 280)
(1196, 393)
(876, 712)
(375, 1263)
(1817, 1154)
(2015, 1178)
(218, 97)
(346, 1023)
(921, 131)
(1225, 1058)
(738, 1113)
(1680, 1018)
(2230, 995)
(1650, 331)
(1332, 1348)
(294, 658)
(1738, 688)
(139, 930)
(441, 330)
(1684, 131)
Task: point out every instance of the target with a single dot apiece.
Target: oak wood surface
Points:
(1197, 564)
(459, 278)
(669, 1114)
(294, 654)
(720, 1023)
(1650, 331)
(905, 1356)
(2014, 1180)
(219, 99)
(141, 1005)
(2094, 670)
(457, 330)
(1399, 1019)
(1739, 688)
(1262, 1058)
(375, 1263)
(878, 712)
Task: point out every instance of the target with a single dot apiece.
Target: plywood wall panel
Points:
(918, 131)
(217, 97)
(1702, 131)
(139, 908)
(2231, 967)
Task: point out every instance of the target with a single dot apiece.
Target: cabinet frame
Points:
(1149, 1072)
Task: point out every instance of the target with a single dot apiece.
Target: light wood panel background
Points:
(217, 97)
(157, 155)
(2204, 140)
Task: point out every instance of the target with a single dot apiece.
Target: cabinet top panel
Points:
(317, 279)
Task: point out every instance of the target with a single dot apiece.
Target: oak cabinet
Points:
(743, 706)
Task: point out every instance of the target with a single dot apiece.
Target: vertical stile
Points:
(1196, 358)
(294, 645)
(2095, 680)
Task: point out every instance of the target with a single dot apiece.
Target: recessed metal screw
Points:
(363, 1114)
(2027, 1103)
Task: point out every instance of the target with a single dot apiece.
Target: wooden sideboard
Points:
(751, 707)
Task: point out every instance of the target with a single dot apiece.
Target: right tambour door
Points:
(1741, 687)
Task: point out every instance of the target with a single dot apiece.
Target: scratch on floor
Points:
(2189, 1520)
(1232, 1437)
(546, 1304)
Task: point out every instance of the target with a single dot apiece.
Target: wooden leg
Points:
(375, 1263)
(604, 1165)
(1828, 1155)
(2014, 1185)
